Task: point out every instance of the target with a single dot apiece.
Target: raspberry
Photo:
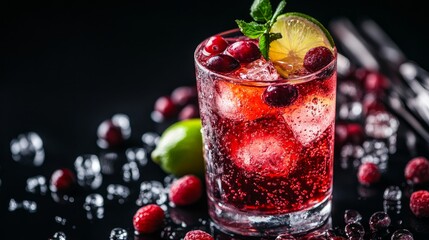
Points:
(148, 219)
(419, 203)
(186, 190)
(62, 180)
(368, 174)
(317, 58)
(417, 170)
(198, 235)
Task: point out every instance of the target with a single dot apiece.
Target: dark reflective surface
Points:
(65, 69)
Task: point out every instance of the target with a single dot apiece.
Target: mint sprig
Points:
(263, 19)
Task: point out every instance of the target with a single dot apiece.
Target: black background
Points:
(65, 67)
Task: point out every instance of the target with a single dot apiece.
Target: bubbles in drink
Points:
(118, 234)
(27, 148)
(118, 192)
(94, 206)
(310, 118)
(36, 184)
(88, 171)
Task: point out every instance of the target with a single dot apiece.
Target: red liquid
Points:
(269, 160)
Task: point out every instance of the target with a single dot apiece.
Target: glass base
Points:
(249, 224)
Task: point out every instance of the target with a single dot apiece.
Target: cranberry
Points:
(402, 234)
(349, 133)
(110, 134)
(183, 95)
(368, 173)
(222, 63)
(188, 112)
(354, 230)
(372, 103)
(379, 221)
(285, 236)
(165, 106)
(351, 216)
(244, 51)
(419, 203)
(317, 58)
(375, 82)
(62, 180)
(280, 95)
(215, 45)
(417, 170)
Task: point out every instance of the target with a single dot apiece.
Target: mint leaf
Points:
(278, 11)
(252, 29)
(264, 44)
(265, 40)
(262, 14)
(261, 10)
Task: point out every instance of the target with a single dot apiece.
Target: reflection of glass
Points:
(269, 169)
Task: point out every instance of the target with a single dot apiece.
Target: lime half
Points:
(180, 149)
(300, 33)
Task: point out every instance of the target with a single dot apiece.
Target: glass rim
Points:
(295, 79)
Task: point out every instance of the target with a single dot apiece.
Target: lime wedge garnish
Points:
(300, 33)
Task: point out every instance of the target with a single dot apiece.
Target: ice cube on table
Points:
(310, 117)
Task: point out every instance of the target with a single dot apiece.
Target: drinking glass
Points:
(269, 169)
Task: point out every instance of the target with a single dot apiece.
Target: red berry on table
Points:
(215, 45)
(148, 219)
(419, 203)
(368, 173)
(375, 82)
(183, 95)
(280, 95)
(222, 63)
(110, 134)
(165, 106)
(244, 51)
(62, 180)
(188, 112)
(349, 133)
(417, 170)
(186, 190)
(317, 58)
(198, 235)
